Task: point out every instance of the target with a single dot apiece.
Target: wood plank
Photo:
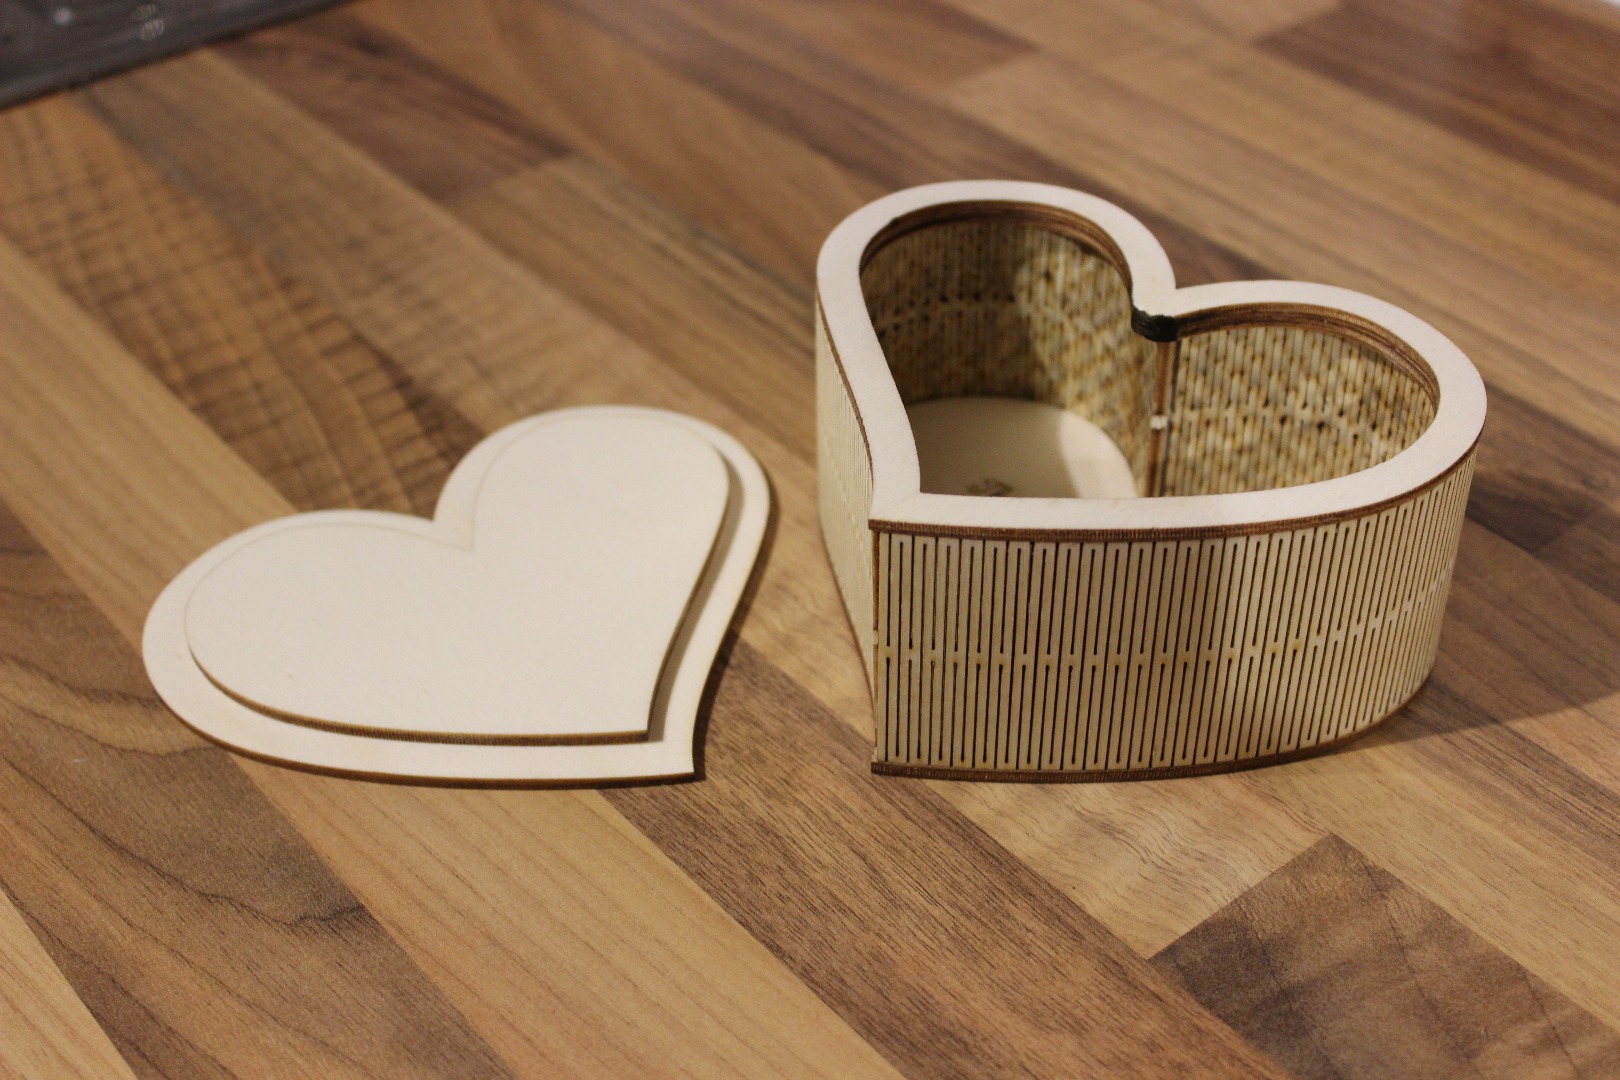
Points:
(1590, 552)
(1599, 16)
(570, 941)
(1148, 860)
(872, 127)
(256, 355)
(1336, 968)
(1530, 81)
(707, 156)
(1526, 677)
(109, 845)
(1103, 34)
(1537, 477)
(771, 196)
(1561, 235)
(1550, 351)
(45, 1030)
(652, 267)
(1503, 834)
(1515, 691)
(679, 968)
(1533, 646)
(787, 801)
(386, 260)
(437, 133)
(1248, 21)
(650, 273)
(921, 44)
(736, 332)
(74, 422)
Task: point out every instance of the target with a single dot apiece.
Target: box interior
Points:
(1016, 303)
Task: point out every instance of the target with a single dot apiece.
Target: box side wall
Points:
(1011, 655)
(844, 481)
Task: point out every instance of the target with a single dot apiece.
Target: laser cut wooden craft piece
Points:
(1301, 456)
(554, 623)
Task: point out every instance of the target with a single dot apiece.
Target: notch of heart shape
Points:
(554, 623)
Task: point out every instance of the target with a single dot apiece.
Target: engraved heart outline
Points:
(669, 752)
(1160, 310)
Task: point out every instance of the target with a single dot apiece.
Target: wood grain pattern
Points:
(45, 1029)
(1524, 80)
(1106, 35)
(1538, 477)
(677, 289)
(625, 109)
(1250, 20)
(1557, 647)
(734, 330)
(1150, 861)
(1497, 805)
(310, 268)
(923, 44)
(148, 906)
(1336, 968)
(820, 97)
(1552, 231)
(1590, 552)
(257, 355)
(439, 134)
(469, 314)
(788, 802)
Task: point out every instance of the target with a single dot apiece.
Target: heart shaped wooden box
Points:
(1303, 456)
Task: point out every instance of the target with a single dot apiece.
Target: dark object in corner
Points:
(48, 44)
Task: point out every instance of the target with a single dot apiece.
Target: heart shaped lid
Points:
(545, 616)
(554, 624)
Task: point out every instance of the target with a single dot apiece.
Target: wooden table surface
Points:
(312, 267)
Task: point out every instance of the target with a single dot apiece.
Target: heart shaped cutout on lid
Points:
(1217, 528)
(554, 622)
